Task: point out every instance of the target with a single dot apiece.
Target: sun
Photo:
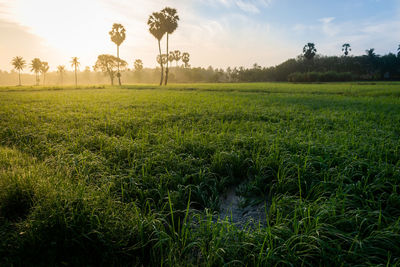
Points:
(73, 27)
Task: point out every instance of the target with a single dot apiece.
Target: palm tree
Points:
(36, 65)
(372, 59)
(309, 51)
(185, 59)
(177, 56)
(44, 69)
(138, 64)
(171, 23)
(346, 49)
(61, 71)
(164, 58)
(156, 28)
(171, 57)
(118, 36)
(75, 63)
(398, 51)
(370, 53)
(19, 64)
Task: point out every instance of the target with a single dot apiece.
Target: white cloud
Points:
(327, 20)
(247, 7)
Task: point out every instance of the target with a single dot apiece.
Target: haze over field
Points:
(199, 133)
(216, 32)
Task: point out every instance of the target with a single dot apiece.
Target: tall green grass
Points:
(133, 175)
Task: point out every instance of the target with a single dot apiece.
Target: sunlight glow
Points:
(74, 27)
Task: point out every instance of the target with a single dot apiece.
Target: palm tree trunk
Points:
(119, 74)
(19, 77)
(76, 78)
(167, 70)
(161, 63)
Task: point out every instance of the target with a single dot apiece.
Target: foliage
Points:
(156, 23)
(309, 51)
(61, 71)
(185, 59)
(330, 76)
(346, 48)
(19, 64)
(109, 64)
(36, 66)
(362, 68)
(171, 56)
(138, 64)
(75, 64)
(162, 59)
(44, 69)
(170, 21)
(118, 35)
(177, 56)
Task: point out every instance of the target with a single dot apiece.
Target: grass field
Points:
(134, 175)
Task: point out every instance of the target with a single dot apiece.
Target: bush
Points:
(330, 76)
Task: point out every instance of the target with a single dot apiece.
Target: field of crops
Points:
(135, 175)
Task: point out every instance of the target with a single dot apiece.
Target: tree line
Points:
(308, 67)
(160, 24)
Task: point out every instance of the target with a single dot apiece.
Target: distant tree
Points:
(109, 65)
(164, 59)
(36, 65)
(346, 49)
(170, 25)
(229, 74)
(118, 36)
(19, 64)
(171, 57)
(372, 60)
(185, 59)
(177, 56)
(138, 64)
(388, 66)
(398, 51)
(86, 74)
(309, 51)
(157, 29)
(75, 63)
(61, 72)
(370, 53)
(44, 69)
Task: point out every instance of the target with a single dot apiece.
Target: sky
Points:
(219, 33)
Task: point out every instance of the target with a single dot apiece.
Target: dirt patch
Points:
(233, 209)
